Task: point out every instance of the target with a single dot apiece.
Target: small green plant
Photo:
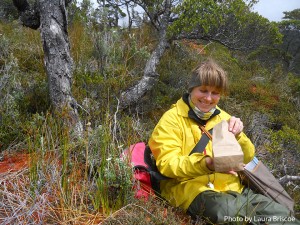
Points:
(284, 138)
(10, 91)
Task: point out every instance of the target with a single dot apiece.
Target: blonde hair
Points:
(209, 73)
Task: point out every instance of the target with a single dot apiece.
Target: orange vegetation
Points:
(199, 48)
(14, 163)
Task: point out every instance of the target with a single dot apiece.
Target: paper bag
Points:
(227, 152)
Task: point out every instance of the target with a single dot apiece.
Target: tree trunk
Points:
(150, 76)
(57, 59)
(51, 18)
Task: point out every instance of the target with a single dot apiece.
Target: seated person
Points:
(195, 186)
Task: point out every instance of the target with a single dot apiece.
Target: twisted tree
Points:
(50, 17)
(228, 22)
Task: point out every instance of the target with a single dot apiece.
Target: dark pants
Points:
(234, 208)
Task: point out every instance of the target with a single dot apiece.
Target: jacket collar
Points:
(185, 110)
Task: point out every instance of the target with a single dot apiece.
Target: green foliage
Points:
(292, 15)
(289, 24)
(194, 13)
(94, 159)
(175, 69)
(114, 184)
(23, 88)
(285, 137)
(294, 84)
(115, 62)
(35, 99)
(8, 11)
(10, 91)
(81, 45)
(269, 56)
(229, 22)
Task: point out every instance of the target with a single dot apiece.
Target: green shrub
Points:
(286, 137)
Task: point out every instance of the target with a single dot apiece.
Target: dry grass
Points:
(47, 203)
(35, 194)
(154, 211)
(18, 204)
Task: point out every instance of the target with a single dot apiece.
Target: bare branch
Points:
(150, 77)
(288, 178)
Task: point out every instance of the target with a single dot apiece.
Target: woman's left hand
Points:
(235, 125)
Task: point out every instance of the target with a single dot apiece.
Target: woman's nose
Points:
(208, 95)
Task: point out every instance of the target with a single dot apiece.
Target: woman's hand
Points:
(210, 163)
(235, 125)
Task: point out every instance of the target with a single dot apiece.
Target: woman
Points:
(196, 187)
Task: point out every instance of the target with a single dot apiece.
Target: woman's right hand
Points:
(210, 163)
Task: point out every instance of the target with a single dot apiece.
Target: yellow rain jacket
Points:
(171, 142)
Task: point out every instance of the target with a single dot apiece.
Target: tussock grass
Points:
(68, 181)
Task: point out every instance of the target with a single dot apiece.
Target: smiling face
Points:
(205, 97)
(208, 82)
